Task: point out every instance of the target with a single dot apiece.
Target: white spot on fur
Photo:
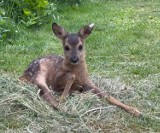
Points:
(41, 61)
(30, 74)
(91, 25)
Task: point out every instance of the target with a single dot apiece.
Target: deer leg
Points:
(70, 80)
(45, 92)
(127, 108)
(91, 87)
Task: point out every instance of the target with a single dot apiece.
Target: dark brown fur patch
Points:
(33, 68)
(73, 39)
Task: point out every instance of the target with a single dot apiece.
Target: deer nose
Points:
(74, 59)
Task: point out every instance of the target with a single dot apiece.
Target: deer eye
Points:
(66, 48)
(80, 47)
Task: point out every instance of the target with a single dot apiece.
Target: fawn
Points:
(69, 73)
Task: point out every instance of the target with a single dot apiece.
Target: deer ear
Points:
(59, 31)
(86, 31)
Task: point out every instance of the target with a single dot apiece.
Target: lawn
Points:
(123, 50)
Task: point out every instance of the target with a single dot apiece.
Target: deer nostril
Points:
(74, 59)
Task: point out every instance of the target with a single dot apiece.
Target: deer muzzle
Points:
(74, 60)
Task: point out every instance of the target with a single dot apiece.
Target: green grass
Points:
(124, 49)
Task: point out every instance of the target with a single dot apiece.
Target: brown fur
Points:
(68, 73)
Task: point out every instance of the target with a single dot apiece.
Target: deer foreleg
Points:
(45, 92)
(70, 80)
(91, 87)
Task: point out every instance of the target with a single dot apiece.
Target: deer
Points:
(68, 73)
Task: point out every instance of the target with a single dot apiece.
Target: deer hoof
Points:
(134, 111)
(62, 99)
(55, 105)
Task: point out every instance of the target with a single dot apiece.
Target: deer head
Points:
(73, 43)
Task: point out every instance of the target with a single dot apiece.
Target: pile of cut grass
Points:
(22, 110)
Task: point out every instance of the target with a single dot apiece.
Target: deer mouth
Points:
(74, 61)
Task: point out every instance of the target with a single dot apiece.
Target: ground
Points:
(122, 54)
